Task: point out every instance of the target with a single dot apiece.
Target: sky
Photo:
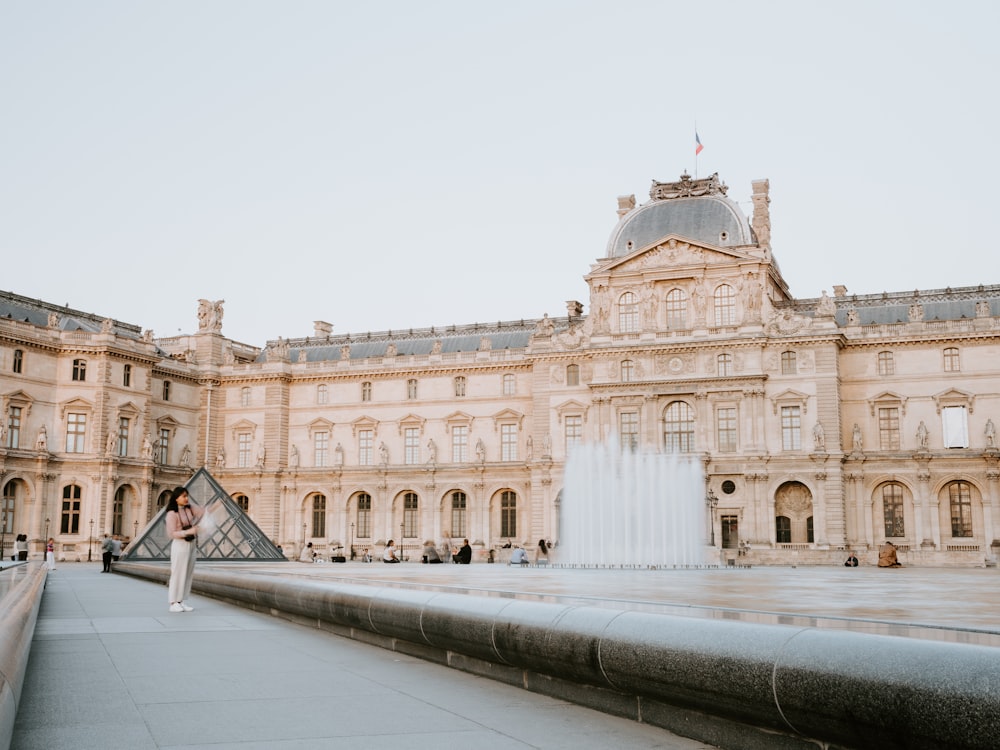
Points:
(392, 164)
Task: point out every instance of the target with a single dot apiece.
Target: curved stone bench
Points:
(732, 684)
(21, 588)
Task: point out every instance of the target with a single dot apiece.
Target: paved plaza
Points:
(109, 664)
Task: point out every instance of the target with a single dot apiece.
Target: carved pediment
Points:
(506, 416)
(364, 423)
(75, 405)
(411, 420)
(790, 397)
(673, 252)
(244, 426)
(572, 406)
(319, 425)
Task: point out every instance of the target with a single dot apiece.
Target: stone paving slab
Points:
(110, 666)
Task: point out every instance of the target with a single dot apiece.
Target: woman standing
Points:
(21, 547)
(182, 528)
(50, 553)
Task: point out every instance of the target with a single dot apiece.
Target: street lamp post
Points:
(46, 530)
(713, 502)
(401, 527)
(352, 540)
(135, 526)
(90, 542)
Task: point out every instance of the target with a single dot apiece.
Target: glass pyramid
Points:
(227, 532)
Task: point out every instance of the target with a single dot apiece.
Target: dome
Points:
(697, 210)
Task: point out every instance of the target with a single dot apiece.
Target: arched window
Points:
(788, 363)
(245, 396)
(458, 508)
(364, 515)
(892, 509)
(960, 502)
(886, 364)
(952, 363)
(508, 514)
(725, 305)
(460, 386)
(118, 510)
(79, 369)
(628, 370)
(69, 522)
(7, 503)
(322, 393)
(678, 428)
(243, 501)
(676, 309)
(628, 313)
(161, 501)
(725, 364)
(411, 505)
(318, 516)
(783, 530)
(19, 361)
(572, 374)
(509, 384)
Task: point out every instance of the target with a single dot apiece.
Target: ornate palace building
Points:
(822, 424)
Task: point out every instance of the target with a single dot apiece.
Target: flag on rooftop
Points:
(697, 144)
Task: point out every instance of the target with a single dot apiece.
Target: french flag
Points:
(697, 144)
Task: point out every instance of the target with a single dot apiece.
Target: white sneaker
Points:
(176, 607)
(186, 607)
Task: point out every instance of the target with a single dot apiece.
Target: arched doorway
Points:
(793, 511)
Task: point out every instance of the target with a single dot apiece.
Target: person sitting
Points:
(542, 553)
(887, 556)
(463, 556)
(851, 561)
(389, 555)
(518, 556)
(430, 553)
(307, 553)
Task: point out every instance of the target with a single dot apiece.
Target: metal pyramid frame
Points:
(232, 536)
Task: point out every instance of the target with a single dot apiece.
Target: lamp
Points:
(401, 527)
(713, 502)
(90, 542)
(46, 530)
(352, 540)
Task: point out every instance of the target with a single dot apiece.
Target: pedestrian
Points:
(116, 548)
(106, 553)
(50, 553)
(182, 528)
(21, 547)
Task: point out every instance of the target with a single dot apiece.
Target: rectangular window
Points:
(123, 429)
(411, 388)
(127, 376)
(509, 385)
(459, 444)
(14, 427)
(892, 510)
(366, 391)
(791, 428)
(364, 516)
(955, 427)
(244, 396)
(628, 430)
(18, 361)
(788, 365)
(321, 448)
(319, 516)
(366, 446)
(458, 503)
(886, 363)
(70, 517)
(951, 361)
(572, 374)
(244, 450)
(411, 445)
(888, 428)
(79, 369)
(725, 420)
(573, 430)
(322, 394)
(508, 442)
(76, 432)
(508, 514)
(163, 446)
(410, 507)
(166, 390)
(459, 386)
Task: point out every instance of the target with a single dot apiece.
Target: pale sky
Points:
(395, 164)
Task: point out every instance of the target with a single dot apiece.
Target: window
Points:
(628, 313)
(244, 396)
(18, 361)
(69, 521)
(730, 532)
(892, 509)
(458, 507)
(166, 390)
(118, 511)
(628, 430)
(321, 448)
(509, 384)
(244, 450)
(7, 523)
(79, 369)
(14, 427)
(123, 430)
(127, 376)
(951, 360)
(366, 445)
(888, 428)
(410, 506)
(572, 374)
(163, 445)
(725, 365)
(788, 364)
(411, 388)
(364, 515)
(573, 430)
(678, 428)
(955, 427)
(459, 386)
(411, 445)
(783, 530)
(76, 432)
(725, 305)
(960, 501)
(676, 309)
(886, 364)
(243, 502)
(318, 516)
(322, 394)
(725, 427)
(459, 444)
(161, 501)
(791, 428)
(508, 514)
(628, 370)
(366, 391)
(508, 442)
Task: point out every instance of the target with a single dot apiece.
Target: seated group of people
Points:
(461, 555)
(887, 557)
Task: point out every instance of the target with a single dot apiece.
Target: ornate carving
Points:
(687, 187)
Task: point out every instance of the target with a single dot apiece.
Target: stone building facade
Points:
(822, 424)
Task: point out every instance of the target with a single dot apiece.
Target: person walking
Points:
(106, 548)
(182, 528)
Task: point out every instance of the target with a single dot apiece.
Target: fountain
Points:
(632, 509)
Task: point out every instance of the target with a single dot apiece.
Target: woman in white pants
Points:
(182, 528)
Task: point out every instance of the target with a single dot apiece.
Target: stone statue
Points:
(436, 349)
(922, 435)
(853, 319)
(345, 351)
(819, 437)
(210, 315)
(432, 451)
(826, 307)
(480, 451)
(856, 438)
(991, 434)
(261, 457)
(545, 326)
(111, 443)
(529, 448)
(147, 446)
(294, 458)
(391, 350)
(42, 441)
(383, 453)
(338, 455)
(220, 459)
(915, 313)
(186, 456)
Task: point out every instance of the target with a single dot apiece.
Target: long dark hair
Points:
(172, 502)
(542, 545)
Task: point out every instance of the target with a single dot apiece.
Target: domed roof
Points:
(697, 210)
